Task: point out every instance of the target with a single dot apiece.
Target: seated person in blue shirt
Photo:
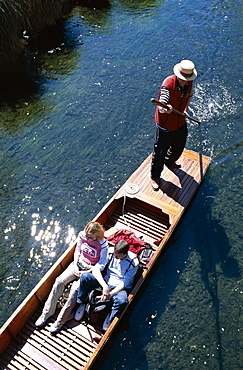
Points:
(121, 270)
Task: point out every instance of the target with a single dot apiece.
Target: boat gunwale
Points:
(35, 297)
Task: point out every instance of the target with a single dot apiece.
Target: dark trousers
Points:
(168, 147)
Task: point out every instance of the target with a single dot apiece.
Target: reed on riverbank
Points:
(31, 15)
(22, 21)
(12, 16)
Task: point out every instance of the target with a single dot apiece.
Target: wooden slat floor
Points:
(71, 348)
(136, 217)
(37, 349)
(177, 187)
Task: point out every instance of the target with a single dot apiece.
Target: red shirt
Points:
(178, 101)
(90, 251)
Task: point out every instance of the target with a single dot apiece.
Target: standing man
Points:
(171, 129)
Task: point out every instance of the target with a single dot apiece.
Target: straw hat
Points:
(185, 70)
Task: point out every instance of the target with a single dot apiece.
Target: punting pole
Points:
(174, 110)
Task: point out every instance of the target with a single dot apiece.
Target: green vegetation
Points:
(17, 17)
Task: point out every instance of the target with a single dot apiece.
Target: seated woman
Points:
(91, 248)
(122, 266)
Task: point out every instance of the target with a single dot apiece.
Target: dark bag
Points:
(63, 299)
(95, 309)
(145, 255)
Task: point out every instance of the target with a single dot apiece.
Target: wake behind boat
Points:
(152, 216)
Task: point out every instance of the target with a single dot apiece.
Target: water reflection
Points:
(29, 249)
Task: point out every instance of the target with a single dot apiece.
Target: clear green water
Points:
(82, 123)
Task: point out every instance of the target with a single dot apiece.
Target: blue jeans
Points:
(88, 282)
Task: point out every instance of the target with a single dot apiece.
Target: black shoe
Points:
(173, 166)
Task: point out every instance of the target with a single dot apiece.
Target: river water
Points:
(81, 122)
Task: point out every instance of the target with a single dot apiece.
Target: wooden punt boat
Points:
(137, 207)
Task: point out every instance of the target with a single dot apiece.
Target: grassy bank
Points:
(21, 17)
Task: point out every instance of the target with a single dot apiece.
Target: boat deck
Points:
(150, 214)
(176, 187)
(36, 349)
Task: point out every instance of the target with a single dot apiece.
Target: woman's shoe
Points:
(41, 321)
(53, 329)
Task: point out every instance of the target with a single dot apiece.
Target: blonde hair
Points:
(95, 229)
